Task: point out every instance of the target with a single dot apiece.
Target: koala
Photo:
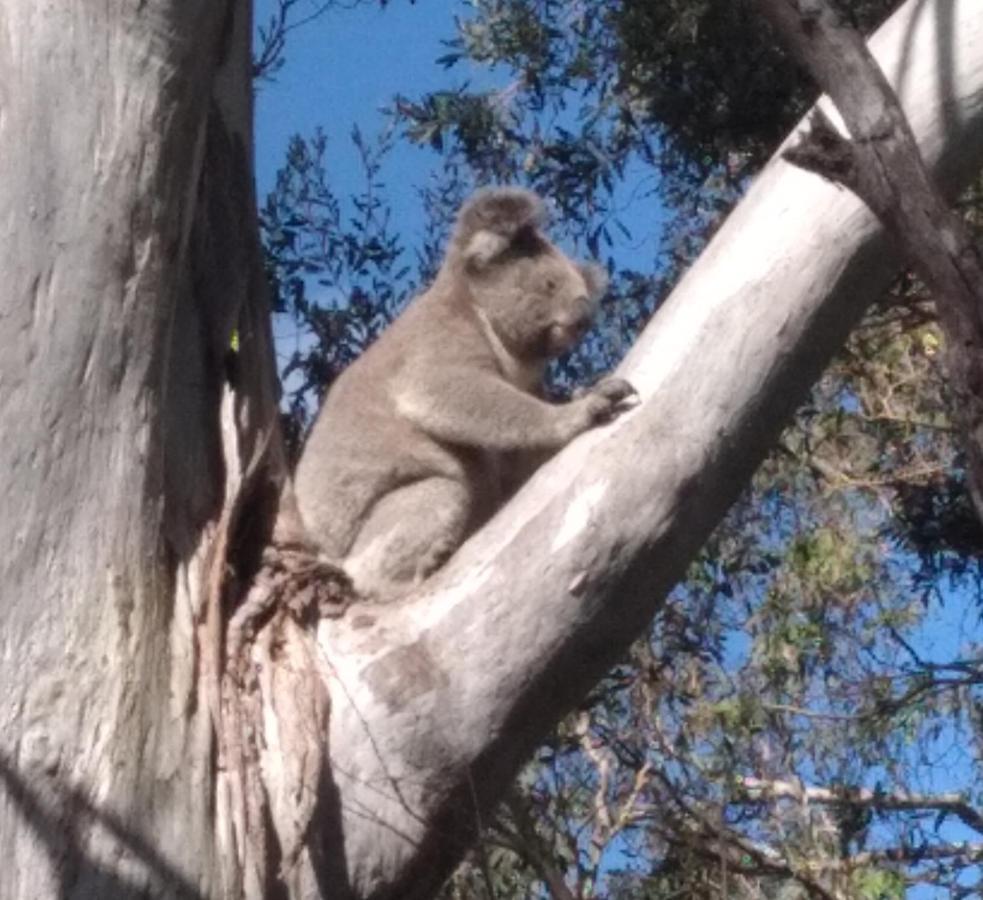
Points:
(422, 438)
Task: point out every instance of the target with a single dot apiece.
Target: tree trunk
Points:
(130, 256)
(129, 248)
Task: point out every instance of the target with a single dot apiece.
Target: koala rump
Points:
(422, 438)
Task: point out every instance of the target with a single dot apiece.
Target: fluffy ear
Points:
(489, 222)
(483, 247)
(597, 279)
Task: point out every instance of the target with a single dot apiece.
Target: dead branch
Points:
(775, 789)
(881, 163)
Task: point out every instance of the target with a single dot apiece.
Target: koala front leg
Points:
(481, 409)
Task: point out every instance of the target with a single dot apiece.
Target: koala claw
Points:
(616, 396)
(617, 390)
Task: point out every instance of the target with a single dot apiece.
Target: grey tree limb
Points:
(130, 256)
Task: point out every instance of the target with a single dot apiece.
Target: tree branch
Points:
(774, 789)
(529, 846)
(881, 163)
(918, 854)
(728, 843)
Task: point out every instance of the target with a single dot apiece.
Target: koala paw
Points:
(434, 558)
(609, 398)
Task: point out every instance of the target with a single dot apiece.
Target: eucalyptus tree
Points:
(193, 706)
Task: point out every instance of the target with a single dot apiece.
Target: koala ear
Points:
(596, 277)
(491, 220)
(483, 247)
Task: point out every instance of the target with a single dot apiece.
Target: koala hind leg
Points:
(408, 535)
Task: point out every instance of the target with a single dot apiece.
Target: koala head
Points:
(538, 300)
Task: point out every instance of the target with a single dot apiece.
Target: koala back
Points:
(362, 446)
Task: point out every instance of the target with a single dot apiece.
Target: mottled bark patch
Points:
(403, 674)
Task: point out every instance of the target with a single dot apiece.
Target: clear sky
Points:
(340, 70)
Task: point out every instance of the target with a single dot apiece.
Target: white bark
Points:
(436, 703)
(114, 319)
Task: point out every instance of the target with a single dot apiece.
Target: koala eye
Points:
(527, 242)
(551, 284)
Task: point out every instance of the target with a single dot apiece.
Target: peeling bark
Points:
(110, 459)
(131, 257)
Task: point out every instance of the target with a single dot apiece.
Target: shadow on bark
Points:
(326, 841)
(63, 819)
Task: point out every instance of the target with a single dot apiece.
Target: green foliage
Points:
(878, 884)
(711, 78)
(336, 268)
(694, 88)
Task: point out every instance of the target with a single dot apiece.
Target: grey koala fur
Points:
(426, 434)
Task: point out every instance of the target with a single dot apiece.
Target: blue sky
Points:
(340, 70)
(345, 66)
